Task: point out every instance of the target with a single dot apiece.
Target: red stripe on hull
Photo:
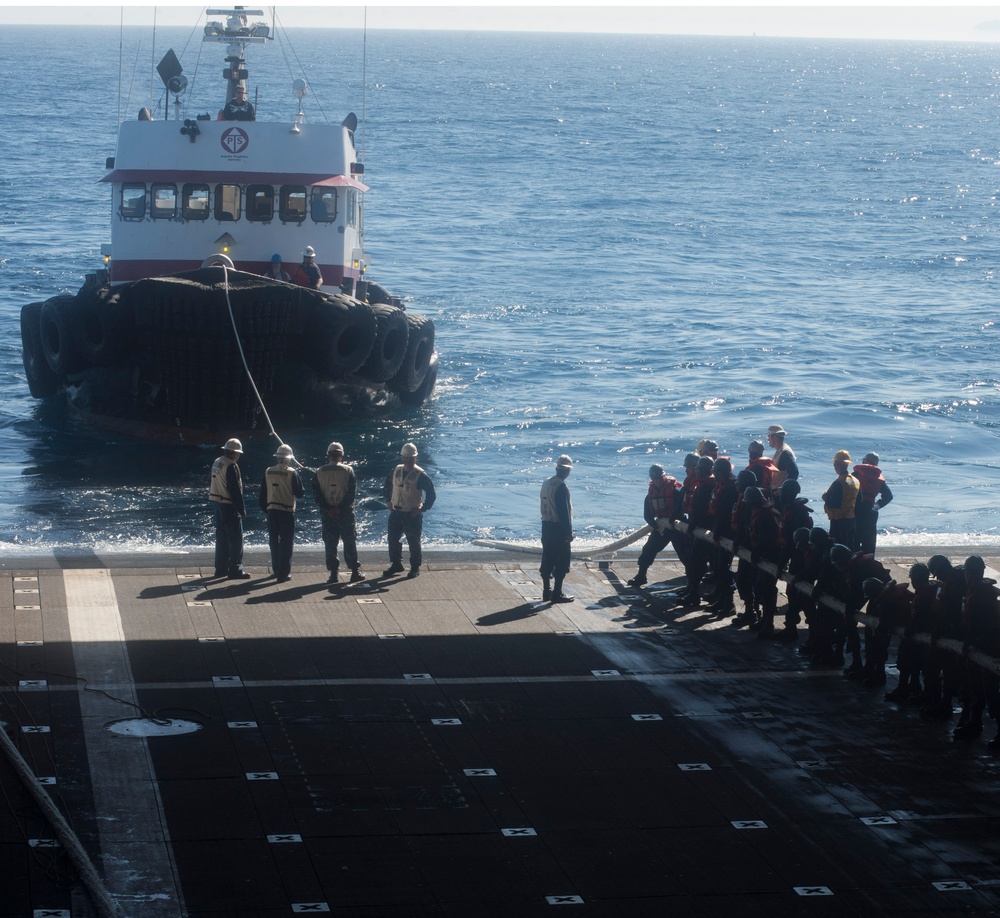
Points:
(122, 271)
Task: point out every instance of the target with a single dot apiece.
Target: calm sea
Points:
(627, 243)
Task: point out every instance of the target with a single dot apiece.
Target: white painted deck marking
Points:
(137, 861)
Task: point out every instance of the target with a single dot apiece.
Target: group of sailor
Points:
(306, 274)
(408, 491)
(760, 510)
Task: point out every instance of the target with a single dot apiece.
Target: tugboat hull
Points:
(187, 351)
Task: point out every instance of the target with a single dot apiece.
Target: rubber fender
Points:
(42, 382)
(341, 336)
(424, 390)
(60, 335)
(391, 338)
(419, 350)
(106, 328)
(377, 294)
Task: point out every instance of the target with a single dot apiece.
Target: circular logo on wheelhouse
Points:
(235, 140)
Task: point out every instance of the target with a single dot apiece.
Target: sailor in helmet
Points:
(225, 491)
(335, 487)
(279, 489)
(277, 270)
(557, 532)
(308, 274)
(409, 494)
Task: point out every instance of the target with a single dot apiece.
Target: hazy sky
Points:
(848, 20)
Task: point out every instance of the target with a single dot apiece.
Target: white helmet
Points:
(409, 449)
(233, 446)
(564, 462)
(310, 252)
(284, 452)
(335, 447)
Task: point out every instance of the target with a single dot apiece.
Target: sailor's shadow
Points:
(517, 613)
(286, 594)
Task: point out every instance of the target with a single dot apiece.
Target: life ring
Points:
(42, 382)
(419, 350)
(60, 336)
(390, 344)
(426, 387)
(105, 325)
(341, 336)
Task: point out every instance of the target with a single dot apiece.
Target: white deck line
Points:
(137, 862)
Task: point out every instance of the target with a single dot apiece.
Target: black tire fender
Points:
(419, 350)
(60, 335)
(390, 344)
(42, 382)
(426, 387)
(341, 336)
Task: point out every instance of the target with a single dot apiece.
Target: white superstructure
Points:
(182, 191)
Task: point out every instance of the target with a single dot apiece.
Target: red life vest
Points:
(871, 480)
(721, 485)
(763, 468)
(691, 485)
(663, 496)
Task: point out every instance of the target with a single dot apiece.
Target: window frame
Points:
(316, 204)
(189, 213)
(161, 213)
(251, 208)
(223, 216)
(134, 186)
(286, 214)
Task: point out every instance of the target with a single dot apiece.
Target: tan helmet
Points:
(409, 450)
(284, 452)
(564, 462)
(842, 455)
(233, 446)
(335, 447)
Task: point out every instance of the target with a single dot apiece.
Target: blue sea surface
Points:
(627, 243)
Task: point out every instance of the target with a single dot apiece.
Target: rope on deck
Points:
(949, 644)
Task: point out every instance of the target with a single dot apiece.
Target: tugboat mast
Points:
(238, 32)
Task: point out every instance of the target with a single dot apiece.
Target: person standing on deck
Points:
(873, 496)
(409, 494)
(225, 491)
(783, 456)
(839, 501)
(335, 487)
(279, 490)
(557, 532)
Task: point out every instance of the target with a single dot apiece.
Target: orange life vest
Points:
(763, 468)
(663, 496)
(870, 479)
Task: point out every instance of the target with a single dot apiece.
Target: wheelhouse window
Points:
(228, 202)
(194, 202)
(133, 203)
(292, 204)
(352, 208)
(260, 203)
(164, 200)
(324, 205)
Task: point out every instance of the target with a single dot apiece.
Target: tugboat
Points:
(192, 325)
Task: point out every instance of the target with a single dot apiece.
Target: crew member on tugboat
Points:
(308, 274)
(238, 108)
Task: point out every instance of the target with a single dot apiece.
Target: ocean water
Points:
(627, 243)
